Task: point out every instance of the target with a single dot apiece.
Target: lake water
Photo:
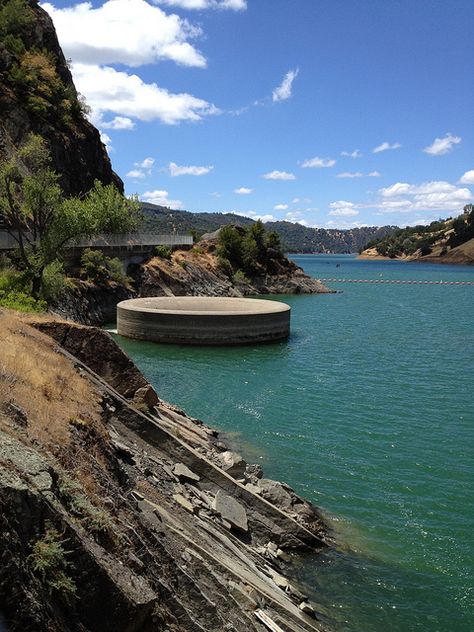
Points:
(367, 411)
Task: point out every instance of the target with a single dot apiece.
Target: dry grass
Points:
(43, 383)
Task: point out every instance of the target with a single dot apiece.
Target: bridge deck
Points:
(129, 241)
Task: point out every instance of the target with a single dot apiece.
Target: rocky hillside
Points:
(120, 513)
(37, 95)
(443, 241)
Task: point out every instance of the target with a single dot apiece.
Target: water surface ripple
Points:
(367, 410)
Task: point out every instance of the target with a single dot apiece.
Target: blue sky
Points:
(336, 114)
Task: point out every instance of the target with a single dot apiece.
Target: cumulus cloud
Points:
(350, 174)
(296, 217)
(130, 32)
(279, 175)
(467, 178)
(318, 163)
(385, 147)
(161, 198)
(283, 91)
(255, 216)
(110, 90)
(135, 173)
(243, 191)
(105, 138)
(352, 154)
(341, 208)
(280, 207)
(437, 195)
(191, 170)
(443, 145)
(374, 174)
(235, 5)
(118, 122)
(146, 163)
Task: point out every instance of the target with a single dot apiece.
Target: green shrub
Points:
(225, 266)
(49, 560)
(100, 269)
(241, 277)
(54, 282)
(197, 250)
(163, 251)
(21, 301)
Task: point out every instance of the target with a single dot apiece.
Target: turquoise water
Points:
(367, 410)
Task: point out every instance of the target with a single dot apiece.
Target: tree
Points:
(35, 213)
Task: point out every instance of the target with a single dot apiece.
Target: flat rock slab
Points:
(182, 471)
(230, 510)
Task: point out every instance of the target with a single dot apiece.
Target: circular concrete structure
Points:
(203, 320)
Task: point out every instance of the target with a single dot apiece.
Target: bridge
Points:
(398, 281)
(129, 248)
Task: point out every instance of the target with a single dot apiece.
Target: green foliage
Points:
(164, 252)
(16, 19)
(273, 240)
(225, 266)
(49, 560)
(34, 210)
(54, 282)
(99, 268)
(245, 249)
(197, 250)
(241, 277)
(21, 301)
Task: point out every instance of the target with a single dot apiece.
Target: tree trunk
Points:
(36, 284)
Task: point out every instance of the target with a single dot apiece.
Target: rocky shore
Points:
(154, 523)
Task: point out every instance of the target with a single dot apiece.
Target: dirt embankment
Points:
(119, 512)
(460, 255)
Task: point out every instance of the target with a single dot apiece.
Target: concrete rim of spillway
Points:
(203, 320)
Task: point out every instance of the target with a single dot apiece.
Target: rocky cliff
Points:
(118, 512)
(37, 94)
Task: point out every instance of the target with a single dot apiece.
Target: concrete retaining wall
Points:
(203, 320)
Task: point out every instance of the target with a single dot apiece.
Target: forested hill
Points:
(294, 237)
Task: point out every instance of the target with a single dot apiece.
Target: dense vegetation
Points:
(294, 237)
(31, 73)
(34, 211)
(246, 250)
(447, 233)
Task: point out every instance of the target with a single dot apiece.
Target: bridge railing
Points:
(131, 240)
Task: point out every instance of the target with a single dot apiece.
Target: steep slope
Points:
(119, 513)
(37, 94)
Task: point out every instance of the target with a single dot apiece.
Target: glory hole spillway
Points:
(202, 320)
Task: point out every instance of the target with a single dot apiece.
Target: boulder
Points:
(146, 395)
(183, 472)
(232, 463)
(230, 510)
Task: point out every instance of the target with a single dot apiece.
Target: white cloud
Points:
(374, 174)
(161, 198)
(350, 174)
(135, 173)
(352, 154)
(385, 147)
(341, 208)
(442, 146)
(318, 163)
(298, 200)
(191, 170)
(110, 90)
(130, 32)
(283, 91)
(118, 122)
(243, 191)
(343, 225)
(279, 175)
(105, 138)
(437, 195)
(253, 215)
(235, 5)
(296, 217)
(280, 207)
(467, 178)
(147, 163)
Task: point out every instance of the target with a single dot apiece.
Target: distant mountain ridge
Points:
(294, 237)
